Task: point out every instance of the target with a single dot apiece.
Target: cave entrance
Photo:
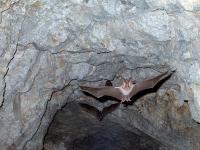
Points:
(74, 129)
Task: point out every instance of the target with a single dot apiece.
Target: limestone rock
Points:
(49, 47)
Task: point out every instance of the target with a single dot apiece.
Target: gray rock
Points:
(49, 47)
(89, 134)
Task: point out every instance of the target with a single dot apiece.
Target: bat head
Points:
(127, 84)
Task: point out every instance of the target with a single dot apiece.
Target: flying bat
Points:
(128, 88)
(97, 113)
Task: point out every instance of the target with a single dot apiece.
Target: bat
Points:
(128, 88)
(97, 113)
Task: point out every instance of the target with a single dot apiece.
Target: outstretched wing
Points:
(150, 83)
(103, 91)
(92, 110)
(110, 109)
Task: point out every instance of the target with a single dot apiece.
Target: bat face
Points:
(127, 84)
(126, 87)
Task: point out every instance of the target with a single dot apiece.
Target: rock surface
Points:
(83, 132)
(48, 47)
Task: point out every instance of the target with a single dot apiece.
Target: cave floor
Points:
(74, 129)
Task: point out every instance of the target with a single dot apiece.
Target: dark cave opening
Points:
(74, 129)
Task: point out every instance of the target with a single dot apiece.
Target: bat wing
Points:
(150, 83)
(103, 91)
(92, 110)
(109, 109)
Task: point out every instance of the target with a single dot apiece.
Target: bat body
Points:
(128, 88)
(97, 113)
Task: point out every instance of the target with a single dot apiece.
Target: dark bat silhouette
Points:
(97, 113)
(128, 88)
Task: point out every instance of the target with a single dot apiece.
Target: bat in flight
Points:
(97, 113)
(127, 90)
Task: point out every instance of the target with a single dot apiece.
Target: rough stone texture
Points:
(48, 47)
(159, 115)
(83, 132)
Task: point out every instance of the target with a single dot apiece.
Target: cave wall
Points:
(49, 47)
(85, 132)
